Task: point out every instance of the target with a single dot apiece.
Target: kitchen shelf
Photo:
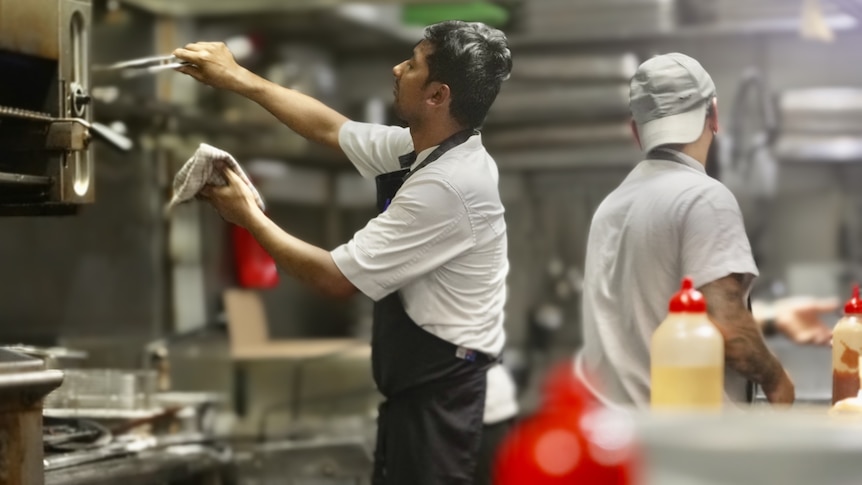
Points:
(599, 156)
(191, 8)
(524, 42)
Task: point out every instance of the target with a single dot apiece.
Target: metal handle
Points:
(113, 138)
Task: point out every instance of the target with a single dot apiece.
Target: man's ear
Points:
(713, 116)
(440, 95)
(635, 133)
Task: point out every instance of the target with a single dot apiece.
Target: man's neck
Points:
(696, 152)
(429, 134)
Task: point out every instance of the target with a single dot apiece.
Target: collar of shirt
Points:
(421, 156)
(684, 159)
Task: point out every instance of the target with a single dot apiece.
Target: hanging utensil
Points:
(143, 66)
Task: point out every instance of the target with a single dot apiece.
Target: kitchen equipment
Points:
(71, 434)
(687, 356)
(576, 68)
(24, 381)
(846, 347)
(196, 411)
(122, 446)
(318, 461)
(820, 125)
(143, 66)
(599, 17)
(46, 164)
(54, 357)
(524, 104)
(90, 390)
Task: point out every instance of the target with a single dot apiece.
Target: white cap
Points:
(669, 99)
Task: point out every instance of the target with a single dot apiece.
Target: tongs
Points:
(143, 66)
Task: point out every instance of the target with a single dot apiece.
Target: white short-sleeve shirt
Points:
(666, 220)
(441, 242)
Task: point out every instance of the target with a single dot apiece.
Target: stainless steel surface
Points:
(821, 111)
(23, 383)
(127, 445)
(25, 114)
(232, 7)
(583, 157)
(198, 409)
(810, 368)
(597, 16)
(104, 389)
(30, 27)
(190, 463)
(43, 379)
(44, 50)
(808, 148)
(330, 461)
(694, 33)
(62, 133)
(820, 125)
(522, 104)
(797, 447)
(541, 137)
(22, 179)
(618, 68)
(102, 414)
(695, 11)
(143, 66)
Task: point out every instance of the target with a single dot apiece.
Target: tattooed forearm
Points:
(744, 348)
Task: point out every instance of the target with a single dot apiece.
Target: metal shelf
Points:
(195, 8)
(839, 23)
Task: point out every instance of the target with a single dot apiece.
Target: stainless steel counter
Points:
(179, 465)
(810, 368)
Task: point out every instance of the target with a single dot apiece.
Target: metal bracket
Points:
(67, 135)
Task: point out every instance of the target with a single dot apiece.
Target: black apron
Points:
(672, 156)
(430, 425)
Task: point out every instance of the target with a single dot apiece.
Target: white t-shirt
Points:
(666, 220)
(441, 242)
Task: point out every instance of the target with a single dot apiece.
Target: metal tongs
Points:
(143, 66)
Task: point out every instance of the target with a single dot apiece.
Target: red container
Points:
(255, 268)
(571, 440)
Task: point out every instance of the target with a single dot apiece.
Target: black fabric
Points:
(430, 426)
(492, 438)
(389, 183)
(404, 355)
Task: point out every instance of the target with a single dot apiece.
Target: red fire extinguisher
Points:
(255, 268)
(571, 440)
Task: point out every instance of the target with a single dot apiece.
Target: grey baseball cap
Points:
(669, 98)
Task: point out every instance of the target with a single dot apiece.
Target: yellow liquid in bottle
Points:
(687, 388)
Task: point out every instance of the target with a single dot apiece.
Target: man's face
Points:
(411, 85)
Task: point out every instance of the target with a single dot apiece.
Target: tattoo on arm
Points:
(744, 348)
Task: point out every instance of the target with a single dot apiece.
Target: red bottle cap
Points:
(687, 299)
(854, 305)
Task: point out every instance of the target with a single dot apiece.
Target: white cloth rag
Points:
(204, 168)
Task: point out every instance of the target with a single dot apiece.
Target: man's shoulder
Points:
(709, 191)
(361, 131)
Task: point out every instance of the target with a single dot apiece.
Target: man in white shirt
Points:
(666, 220)
(434, 260)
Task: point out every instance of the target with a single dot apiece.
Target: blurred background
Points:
(117, 284)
